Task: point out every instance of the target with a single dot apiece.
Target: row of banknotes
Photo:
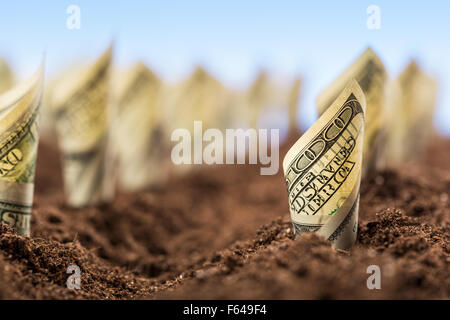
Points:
(112, 127)
(115, 127)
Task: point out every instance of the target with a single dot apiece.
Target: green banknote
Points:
(323, 171)
(19, 137)
(81, 111)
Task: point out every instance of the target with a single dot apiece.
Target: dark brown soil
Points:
(224, 232)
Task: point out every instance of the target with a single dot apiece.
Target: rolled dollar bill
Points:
(412, 104)
(139, 137)
(323, 171)
(47, 122)
(80, 106)
(369, 72)
(19, 137)
(201, 97)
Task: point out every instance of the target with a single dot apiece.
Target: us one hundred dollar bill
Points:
(139, 133)
(369, 72)
(323, 171)
(200, 97)
(412, 102)
(19, 137)
(80, 107)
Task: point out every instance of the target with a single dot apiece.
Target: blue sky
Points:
(233, 39)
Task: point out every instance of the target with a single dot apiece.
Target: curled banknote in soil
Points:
(201, 97)
(80, 106)
(412, 100)
(19, 137)
(139, 137)
(323, 171)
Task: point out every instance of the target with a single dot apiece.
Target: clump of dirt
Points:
(225, 232)
(37, 268)
(408, 253)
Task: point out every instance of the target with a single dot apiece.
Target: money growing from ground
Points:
(323, 171)
(139, 137)
(80, 107)
(19, 137)
(412, 104)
